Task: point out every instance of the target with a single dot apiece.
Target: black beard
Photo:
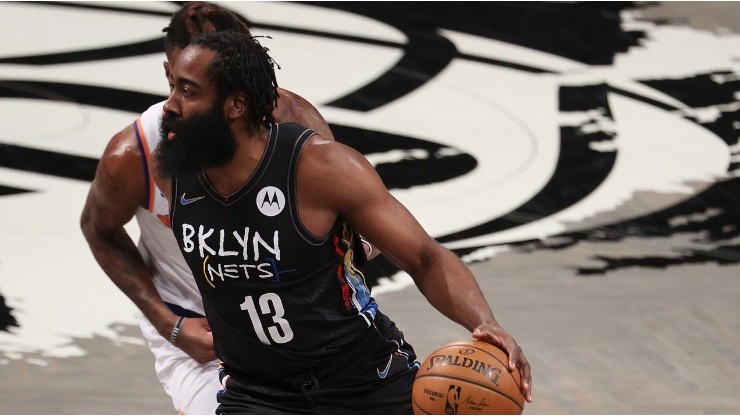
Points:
(201, 141)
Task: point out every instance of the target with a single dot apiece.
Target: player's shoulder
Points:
(122, 143)
(289, 106)
(291, 128)
(154, 110)
(320, 153)
(153, 113)
(287, 96)
(127, 139)
(122, 156)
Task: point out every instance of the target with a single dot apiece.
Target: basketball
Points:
(467, 378)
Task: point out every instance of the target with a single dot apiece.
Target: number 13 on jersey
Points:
(270, 306)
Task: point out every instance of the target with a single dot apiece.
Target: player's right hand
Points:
(196, 340)
(495, 335)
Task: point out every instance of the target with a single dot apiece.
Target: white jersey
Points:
(157, 245)
(191, 386)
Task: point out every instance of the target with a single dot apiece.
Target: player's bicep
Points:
(118, 188)
(393, 229)
(381, 218)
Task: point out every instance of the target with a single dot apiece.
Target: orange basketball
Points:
(467, 378)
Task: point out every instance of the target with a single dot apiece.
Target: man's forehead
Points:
(194, 59)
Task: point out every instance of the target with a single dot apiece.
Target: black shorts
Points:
(376, 382)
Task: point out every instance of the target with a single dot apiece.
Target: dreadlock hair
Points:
(198, 17)
(242, 65)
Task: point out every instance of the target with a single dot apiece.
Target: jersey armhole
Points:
(293, 191)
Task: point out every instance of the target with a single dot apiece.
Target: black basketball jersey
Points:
(277, 298)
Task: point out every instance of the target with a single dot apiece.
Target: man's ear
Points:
(236, 105)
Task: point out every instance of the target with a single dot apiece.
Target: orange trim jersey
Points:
(157, 244)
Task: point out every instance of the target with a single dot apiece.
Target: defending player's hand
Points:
(495, 335)
(196, 340)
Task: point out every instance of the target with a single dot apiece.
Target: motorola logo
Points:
(270, 201)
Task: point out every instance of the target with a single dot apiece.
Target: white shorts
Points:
(191, 386)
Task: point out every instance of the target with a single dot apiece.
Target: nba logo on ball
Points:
(467, 377)
(453, 399)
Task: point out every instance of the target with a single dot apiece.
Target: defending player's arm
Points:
(293, 107)
(116, 192)
(346, 184)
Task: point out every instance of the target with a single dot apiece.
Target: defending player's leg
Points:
(192, 386)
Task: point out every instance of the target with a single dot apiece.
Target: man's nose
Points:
(170, 106)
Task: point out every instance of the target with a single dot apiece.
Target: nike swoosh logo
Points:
(186, 201)
(384, 373)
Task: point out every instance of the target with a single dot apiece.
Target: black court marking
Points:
(88, 55)
(46, 162)
(708, 90)
(722, 255)
(712, 215)
(700, 90)
(113, 98)
(409, 172)
(579, 171)
(597, 27)
(397, 45)
(6, 318)
(425, 55)
(715, 233)
(322, 34)
(91, 6)
(126, 50)
(398, 175)
(505, 64)
(9, 190)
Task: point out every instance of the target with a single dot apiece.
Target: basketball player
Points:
(266, 216)
(155, 276)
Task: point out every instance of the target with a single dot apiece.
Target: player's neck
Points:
(250, 148)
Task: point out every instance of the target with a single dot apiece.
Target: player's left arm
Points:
(291, 107)
(349, 185)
